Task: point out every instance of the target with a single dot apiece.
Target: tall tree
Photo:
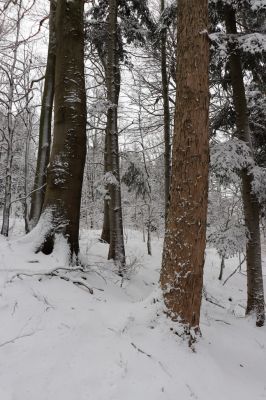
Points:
(107, 38)
(43, 156)
(116, 248)
(65, 172)
(184, 245)
(10, 98)
(255, 301)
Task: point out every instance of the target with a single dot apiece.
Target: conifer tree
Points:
(184, 245)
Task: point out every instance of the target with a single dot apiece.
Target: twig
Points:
(220, 320)
(16, 338)
(237, 268)
(210, 300)
(141, 351)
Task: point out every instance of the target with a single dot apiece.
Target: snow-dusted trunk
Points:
(43, 156)
(26, 173)
(116, 248)
(7, 198)
(105, 236)
(255, 301)
(166, 115)
(65, 171)
(185, 236)
(10, 128)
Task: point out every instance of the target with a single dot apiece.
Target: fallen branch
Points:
(55, 272)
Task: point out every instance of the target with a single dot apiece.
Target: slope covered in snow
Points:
(60, 342)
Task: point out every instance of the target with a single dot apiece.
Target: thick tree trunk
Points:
(255, 302)
(116, 249)
(65, 172)
(43, 156)
(185, 237)
(166, 116)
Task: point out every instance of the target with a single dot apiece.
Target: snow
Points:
(59, 342)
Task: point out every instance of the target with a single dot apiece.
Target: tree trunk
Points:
(43, 156)
(166, 116)
(255, 302)
(65, 172)
(105, 236)
(11, 127)
(185, 236)
(149, 232)
(221, 268)
(8, 187)
(116, 249)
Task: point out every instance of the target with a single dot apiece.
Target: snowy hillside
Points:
(60, 342)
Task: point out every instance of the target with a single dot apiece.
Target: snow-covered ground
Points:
(60, 342)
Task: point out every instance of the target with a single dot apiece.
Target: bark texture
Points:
(255, 301)
(116, 248)
(65, 172)
(185, 237)
(43, 156)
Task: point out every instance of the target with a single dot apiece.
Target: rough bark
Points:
(185, 236)
(166, 115)
(43, 156)
(255, 301)
(65, 172)
(116, 248)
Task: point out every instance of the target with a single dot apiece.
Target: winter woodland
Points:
(132, 199)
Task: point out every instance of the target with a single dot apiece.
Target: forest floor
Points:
(60, 342)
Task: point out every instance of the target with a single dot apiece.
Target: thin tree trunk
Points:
(185, 236)
(116, 248)
(65, 172)
(11, 129)
(8, 186)
(149, 232)
(43, 156)
(105, 236)
(255, 301)
(221, 269)
(166, 115)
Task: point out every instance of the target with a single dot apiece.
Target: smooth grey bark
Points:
(43, 156)
(65, 171)
(255, 292)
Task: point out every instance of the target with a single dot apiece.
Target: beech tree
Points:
(184, 245)
(65, 172)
